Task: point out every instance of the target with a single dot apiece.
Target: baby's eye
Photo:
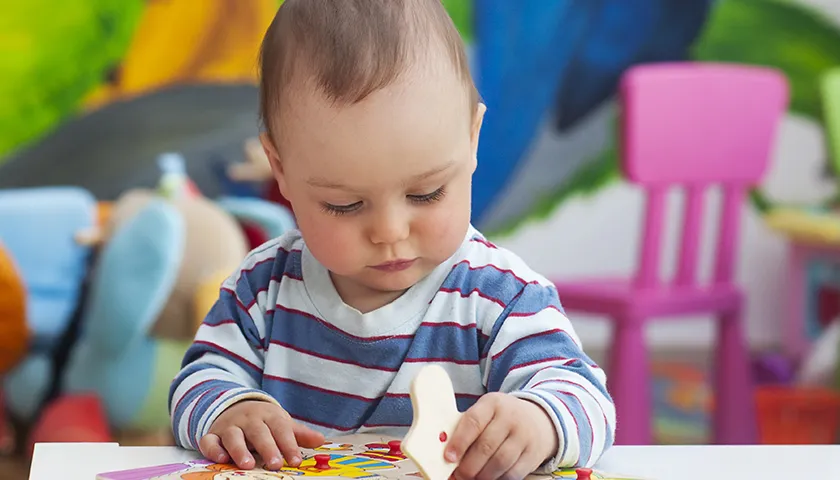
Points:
(341, 209)
(429, 197)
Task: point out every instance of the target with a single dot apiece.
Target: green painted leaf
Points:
(461, 13)
(53, 54)
(783, 34)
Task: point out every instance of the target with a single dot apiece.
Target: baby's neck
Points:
(361, 298)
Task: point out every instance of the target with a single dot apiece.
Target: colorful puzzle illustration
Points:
(365, 456)
(355, 456)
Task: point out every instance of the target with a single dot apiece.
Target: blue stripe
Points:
(398, 411)
(584, 427)
(488, 280)
(197, 350)
(536, 298)
(319, 407)
(187, 399)
(182, 375)
(535, 349)
(311, 335)
(226, 308)
(252, 280)
(446, 342)
(608, 441)
(553, 404)
(214, 407)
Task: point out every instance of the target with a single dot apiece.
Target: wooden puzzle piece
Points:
(337, 465)
(435, 417)
(334, 447)
(389, 452)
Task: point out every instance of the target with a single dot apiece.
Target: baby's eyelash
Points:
(339, 210)
(429, 197)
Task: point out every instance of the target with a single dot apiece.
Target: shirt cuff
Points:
(225, 401)
(552, 464)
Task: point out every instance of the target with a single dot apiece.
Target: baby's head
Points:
(371, 127)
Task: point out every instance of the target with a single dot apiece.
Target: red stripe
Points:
(565, 361)
(227, 352)
(483, 242)
(527, 337)
(331, 358)
(501, 270)
(449, 324)
(336, 329)
(178, 403)
(319, 389)
(474, 290)
(440, 360)
(528, 314)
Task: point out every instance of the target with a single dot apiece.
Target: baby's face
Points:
(382, 181)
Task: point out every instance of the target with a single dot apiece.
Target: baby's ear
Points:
(270, 150)
(475, 130)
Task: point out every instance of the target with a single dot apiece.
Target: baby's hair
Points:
(348, 49)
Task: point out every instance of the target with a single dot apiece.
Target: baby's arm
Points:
(223, 366)
(534, 354)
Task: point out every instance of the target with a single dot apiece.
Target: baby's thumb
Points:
(306, 437)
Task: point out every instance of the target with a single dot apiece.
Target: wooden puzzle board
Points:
(360, 456)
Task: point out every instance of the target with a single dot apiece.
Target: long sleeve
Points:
(533, 353)
(224, 364)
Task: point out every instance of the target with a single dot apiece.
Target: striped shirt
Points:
(280, 332)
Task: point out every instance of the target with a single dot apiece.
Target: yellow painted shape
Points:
(821, 228)
(188, 42)
(358, 469)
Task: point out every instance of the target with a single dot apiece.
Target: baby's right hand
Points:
(265, 428)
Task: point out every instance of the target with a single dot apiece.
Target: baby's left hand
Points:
(501, 436)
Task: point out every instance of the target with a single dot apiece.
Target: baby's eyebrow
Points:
(432, 172)
(324, 183)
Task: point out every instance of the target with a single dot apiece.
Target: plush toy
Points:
(38, 228)
(115, 357)
(14, 334)
(214, 246)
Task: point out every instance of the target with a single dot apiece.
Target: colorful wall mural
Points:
(92, 92)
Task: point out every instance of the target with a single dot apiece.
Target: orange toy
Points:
(14, 334)
(798, 415)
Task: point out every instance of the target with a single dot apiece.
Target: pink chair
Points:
(693, 126)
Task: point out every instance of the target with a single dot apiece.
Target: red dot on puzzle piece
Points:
(394, 447)
(322, 462)
(443, 437)
(584, 473)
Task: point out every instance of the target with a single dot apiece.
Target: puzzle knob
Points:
(584, 473)
(322, 462)
(394, 447)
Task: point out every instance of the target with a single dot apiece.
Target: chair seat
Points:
(612, 296)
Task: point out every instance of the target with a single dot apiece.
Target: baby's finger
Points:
(233, 439)
(523, 467)
(261, 438)
(482, 451)
(306, 437)
(470, 426)
(282, 430)
(506, 457)
(210, 446)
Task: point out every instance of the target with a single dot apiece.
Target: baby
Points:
(371, 130)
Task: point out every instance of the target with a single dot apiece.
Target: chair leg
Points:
(629, 382)
(734, 411)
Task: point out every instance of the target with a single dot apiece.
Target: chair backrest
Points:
(694, 126)
(831, 114)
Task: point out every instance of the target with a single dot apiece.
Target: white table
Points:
(82, 461)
